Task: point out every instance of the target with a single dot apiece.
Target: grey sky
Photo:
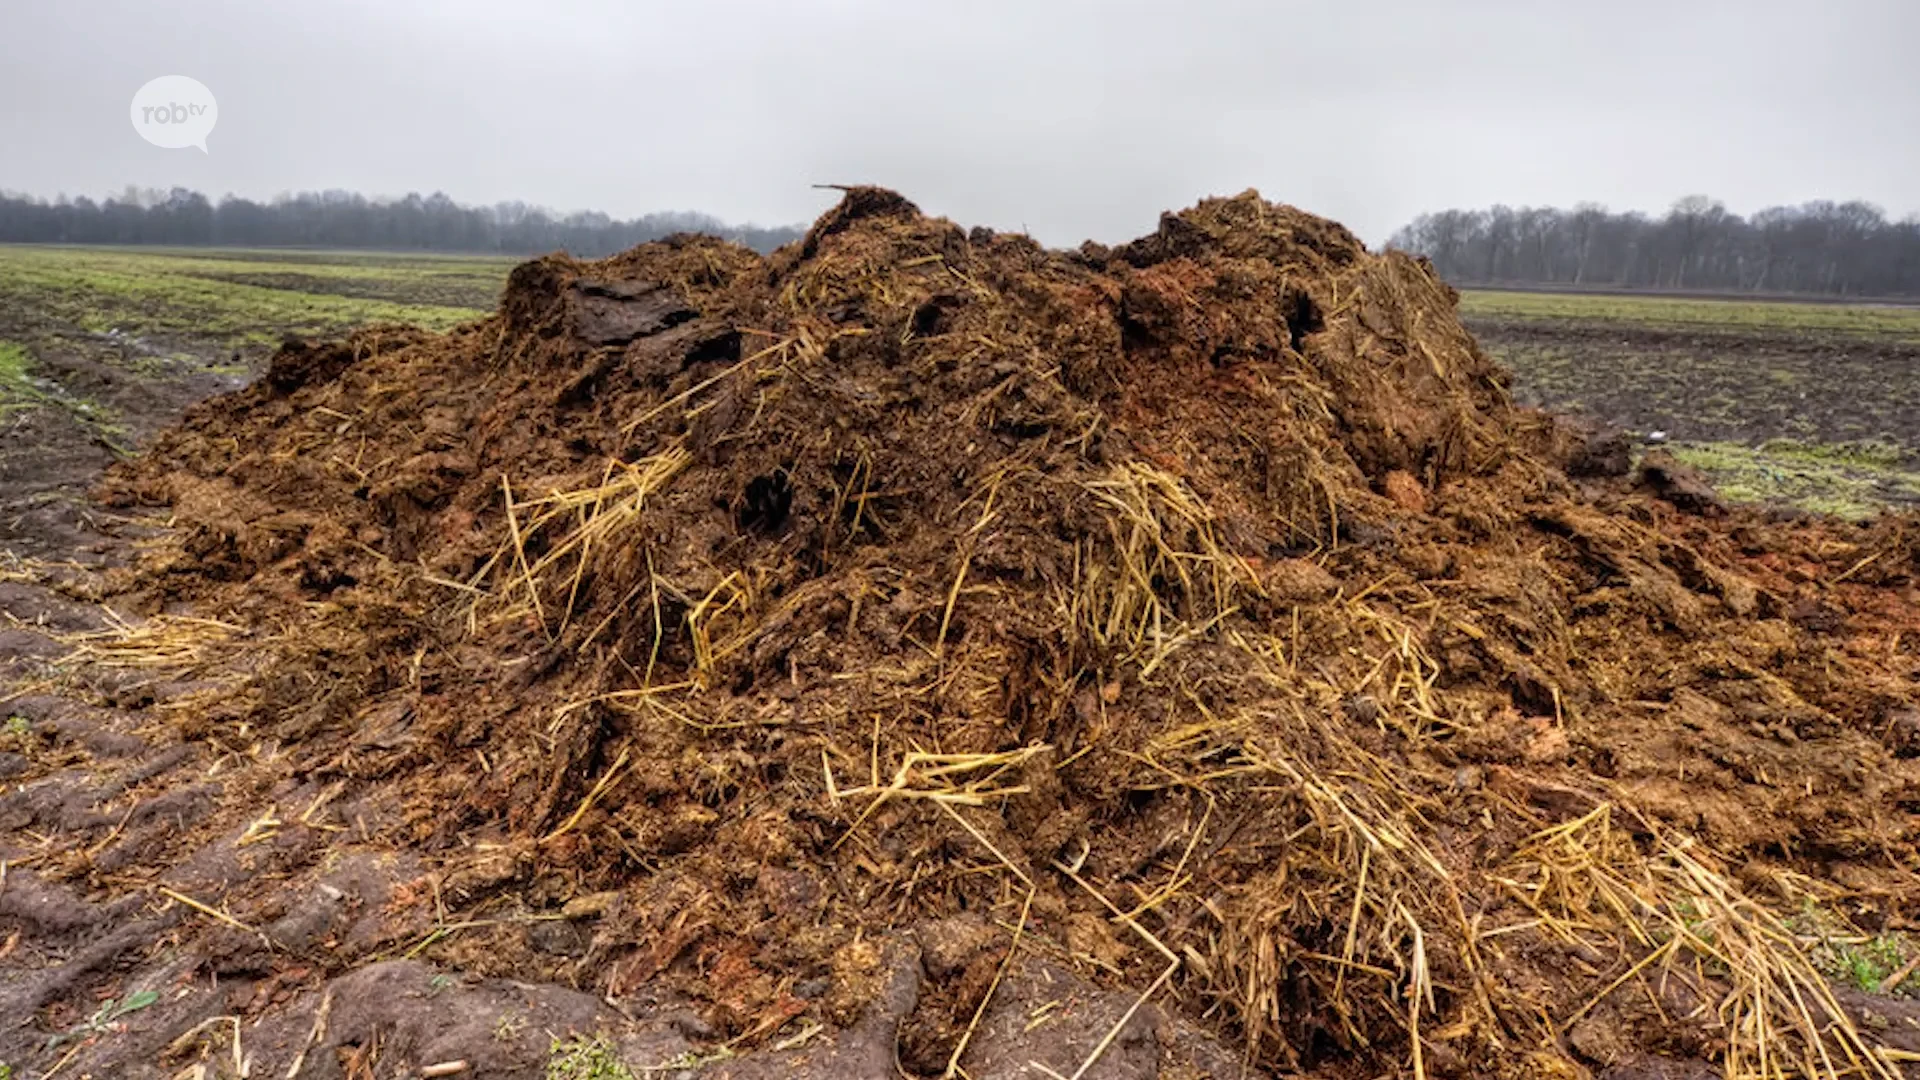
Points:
(1073, 119)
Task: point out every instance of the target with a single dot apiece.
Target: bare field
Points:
(1812, 405)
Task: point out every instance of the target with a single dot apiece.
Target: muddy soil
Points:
(1744, 386)
(97, 398)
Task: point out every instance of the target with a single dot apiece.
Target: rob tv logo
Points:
(174, 111)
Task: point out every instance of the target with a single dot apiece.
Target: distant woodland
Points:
(340, 219)
(1825, 248)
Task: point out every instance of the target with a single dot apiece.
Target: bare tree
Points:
(1846, 249)
(345, 219)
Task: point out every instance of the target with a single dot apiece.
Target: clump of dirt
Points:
(1199, 613)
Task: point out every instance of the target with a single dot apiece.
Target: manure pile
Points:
(1199, 613)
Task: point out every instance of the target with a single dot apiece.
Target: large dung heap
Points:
(1202, 610)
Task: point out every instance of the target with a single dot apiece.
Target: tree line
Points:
(1825, 248)
(342, 219)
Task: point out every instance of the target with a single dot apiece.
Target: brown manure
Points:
(1200, 613)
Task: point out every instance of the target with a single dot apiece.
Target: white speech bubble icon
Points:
(174, 112)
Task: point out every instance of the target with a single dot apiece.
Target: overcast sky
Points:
(1072, 119)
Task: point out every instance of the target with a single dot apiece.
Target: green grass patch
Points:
(586, 1059)
(1674, 313)
(16, 392)
(1860, 455)
(1848, 956)
(1871, 962)
(595, 1058)
(1846, 480)
(229, 302)
(13, 364)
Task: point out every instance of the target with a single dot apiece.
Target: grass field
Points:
(1878, 322)
(78, 323)
(1813, 405)
(100, 347)
(1810, 405)
(241, 297)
